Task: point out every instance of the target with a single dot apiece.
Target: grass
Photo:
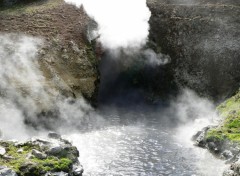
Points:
(35, 166)
(229, 129)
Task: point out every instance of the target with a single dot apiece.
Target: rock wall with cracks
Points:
(203, 39)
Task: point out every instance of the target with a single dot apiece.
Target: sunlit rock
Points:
(40, 157)
(4, 171)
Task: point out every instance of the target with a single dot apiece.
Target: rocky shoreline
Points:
(52, 156)
(223, 140)
(225, 150)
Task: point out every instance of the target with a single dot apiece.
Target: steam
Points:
(18, 70)
(26, 96)
(154, 58)
(132, 128)
(195, 113)
(122, 23)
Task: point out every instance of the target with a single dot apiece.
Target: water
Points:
(141, 144)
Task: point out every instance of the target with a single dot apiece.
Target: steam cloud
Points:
(17, 58)
(122, 27)
(122, 23)
(153, 58)
(25, 94)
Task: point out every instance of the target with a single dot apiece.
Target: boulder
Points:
(228, 172)
(38, 157)
(227, 154)
(2, 151)
(57, 174)
(64, 151)
(39, 154)
(4, 171)
(77, 169)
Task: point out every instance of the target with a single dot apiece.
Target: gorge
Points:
(129, 83)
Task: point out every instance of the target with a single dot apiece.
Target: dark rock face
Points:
(9, 3)
(203, 39)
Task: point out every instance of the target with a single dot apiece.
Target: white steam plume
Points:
(122, 23)
(153, 58)
(25, 94)
(20, 82)
(195, 113)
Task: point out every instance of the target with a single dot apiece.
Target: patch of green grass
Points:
(230, 127)
(216, 134)
(53, 164)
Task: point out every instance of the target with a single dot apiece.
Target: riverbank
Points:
(224, 140)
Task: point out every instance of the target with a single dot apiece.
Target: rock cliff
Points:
(67, 58)
(203, 39)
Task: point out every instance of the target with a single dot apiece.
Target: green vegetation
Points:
(229, 129)
(18, 159)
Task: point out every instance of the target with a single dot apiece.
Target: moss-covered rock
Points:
(224, 140)
(23, 158)
(227, 134)
(229, 128)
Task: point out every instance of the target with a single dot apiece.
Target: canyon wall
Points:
(67, 58)
(203, 39)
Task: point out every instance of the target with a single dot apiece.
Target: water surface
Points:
(141, 144)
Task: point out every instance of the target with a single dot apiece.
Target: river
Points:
(141, 143)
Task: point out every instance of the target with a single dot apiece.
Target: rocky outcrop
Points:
(234, 169)
(223, 140)
(224, 149)
(50, 157)
(203, 39)
(67, 59)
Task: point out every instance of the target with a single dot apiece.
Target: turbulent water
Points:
(138, 143)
